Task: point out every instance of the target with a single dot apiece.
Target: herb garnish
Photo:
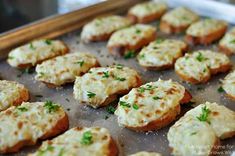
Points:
(86, 138)
(50, 106)
(120, 78)
(124, 104)
(119, 66)
(22, 109)
(204, 115)
(220, 89)
(159, 40)
(138, 31)
(141, 56)
(193, 133)
(200, 57)
(90, 94)
(233, 41)
(148, 87)
(156, 98)
(106, 74)
(32, 46)
(80, 63)
(135, 106)
(48, 42)
(110, 109)
(129, 54)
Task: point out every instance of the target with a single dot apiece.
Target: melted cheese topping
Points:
(180, 17)
(158, 54)
(148, 102)
(103, 26)
(229, 84)
(228, 40)
(103, 82)
(30, 121)
(148, 8)
(189, 136)
(65, 68)
(146, 154)
(70, 144)
(9, 93)
(220, 118)
(131, 35)
(36, 51)
(198, 64)
(205, 27)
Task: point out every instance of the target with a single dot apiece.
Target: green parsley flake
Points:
(110, 109)
(124, 104)
(138, 31)
(135, 106)
(200, 57)
(141, 89)
(119, 66)
(106, 74)
(50, 106)
(48, 42)
(193, 133)
(22, 109)
(204, 115)
(156, 98)
(220, 89)
(120, 78)
(159, 40)
(86, 138)
(90, 94)
(129, 54)
(80, 63)
(32, 46)
(233, 41)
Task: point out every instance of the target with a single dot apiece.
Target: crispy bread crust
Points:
(113, 149)
(207, 39)
(24, 96)
(170, 29)
(226, 50)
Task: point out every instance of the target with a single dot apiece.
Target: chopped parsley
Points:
(41, 74)
(141, 89)
(200, 57)
(141, 56)
(120, 78)
(32, 46)
(159, 40)
(220, 89)
(233, 41)
(138, 31)
(193, 133)
(90, 94)
(204, 115)
(119, 66)
(129, 54)
(22, 109)
(80, 63)
(86, 138)
(110, 109)
(10, 57)
(106, 74)
(124, 104)
(156, 98)
(48, 42)
(135, 106)
(50, 106)
(148, 87)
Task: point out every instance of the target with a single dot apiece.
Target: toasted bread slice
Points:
(36, 52)
(197, 67)
(131, 39)
(177, 20)
(24, 125)
(93, 141)
(102, 85)
(189, 136)
(205, 31)
(147, 11)
(151, 106)
(227, 43)
(100, 29)
(143, 153)
(161, 54)
(64, 69)
(229, 84)
(12, 94)
(220, 118)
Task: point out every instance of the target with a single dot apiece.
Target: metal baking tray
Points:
(80, 115)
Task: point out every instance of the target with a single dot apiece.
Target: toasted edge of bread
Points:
(24, 96)
(167, 28)
(61, 126)
(62, 52)
(120, 50)
(166, 119)
(113, 149)
(207, 39)
(226, 50)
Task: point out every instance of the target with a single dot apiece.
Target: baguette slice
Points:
(220, 118)
(227, 43)
(147, 12)
(143, 153)
(131, 39)
(151, 106)
(161, 54)
(26, 124)
(100, 29)
(36, 52)
(177, 20)
(12, 94)
(64, 69)
(199, 66)
(92, 141)
(100, 86)
(205, 31)
(189, 136)
(229, 85)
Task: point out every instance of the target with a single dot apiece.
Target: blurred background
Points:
(14, 13)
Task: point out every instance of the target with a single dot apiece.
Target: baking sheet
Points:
(80, 115)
